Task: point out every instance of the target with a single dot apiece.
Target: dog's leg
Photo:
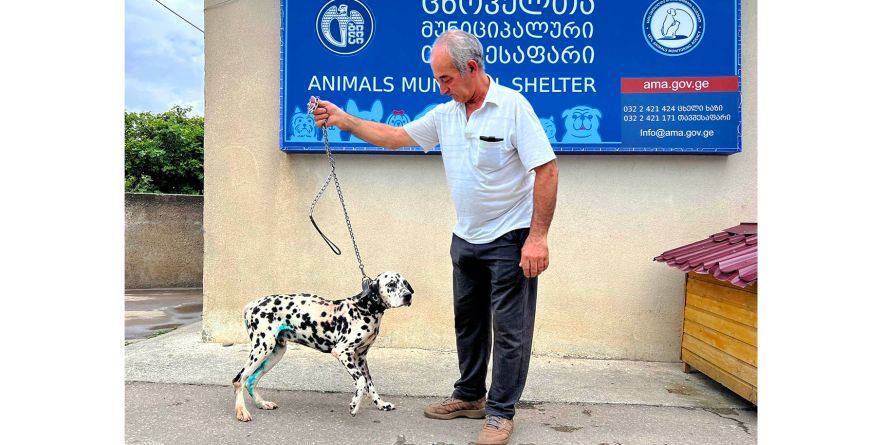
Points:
(252, 386)
(260, 351)
(349, 360)
(364, 366)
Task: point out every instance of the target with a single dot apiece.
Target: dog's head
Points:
(581, 121)
(302, 127)
(398, 119)
(373, 114)
(550, 128)
(392, 288)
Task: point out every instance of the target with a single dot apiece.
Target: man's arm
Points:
(375, 133)
(534, 258)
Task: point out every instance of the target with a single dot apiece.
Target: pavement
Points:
(178, 390)
(154, 311)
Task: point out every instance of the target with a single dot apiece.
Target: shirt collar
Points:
(492, 96)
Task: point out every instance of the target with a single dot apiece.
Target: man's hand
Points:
(330, 115)
(534, 256)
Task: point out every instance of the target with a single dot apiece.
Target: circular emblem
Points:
(673, 27)
(345, 26)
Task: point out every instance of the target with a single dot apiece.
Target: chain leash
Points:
(312, 105)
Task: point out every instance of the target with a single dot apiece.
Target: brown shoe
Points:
(497, 431)
(452, 408)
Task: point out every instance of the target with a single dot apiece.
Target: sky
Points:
(164, 55)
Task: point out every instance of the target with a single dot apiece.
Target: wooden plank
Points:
(725, 310)
(723, 342)
(735, 330)
(737, 297)
(741, 370)
(743, 389)
(752, 288)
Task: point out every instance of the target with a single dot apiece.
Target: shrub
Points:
(164, 152)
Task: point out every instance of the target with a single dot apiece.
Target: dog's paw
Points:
(243, 415)
(385, 406)
(354, 408)
(266, 405)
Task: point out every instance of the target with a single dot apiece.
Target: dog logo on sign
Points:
(345, 26)
(673, 27)
(398, 118)
(582, 124)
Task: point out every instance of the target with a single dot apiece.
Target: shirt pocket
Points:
(490, 155)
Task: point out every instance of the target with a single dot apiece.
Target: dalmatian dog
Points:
(344, 328)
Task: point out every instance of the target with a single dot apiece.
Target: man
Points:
(502, 174)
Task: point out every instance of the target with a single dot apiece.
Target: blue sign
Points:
(636, 76)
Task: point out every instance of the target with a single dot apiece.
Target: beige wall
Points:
(164, 241)
(603, 296)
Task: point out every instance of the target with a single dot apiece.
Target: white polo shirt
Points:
(491, 182)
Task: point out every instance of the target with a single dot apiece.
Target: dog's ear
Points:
(408, 287)
(351, 107)
(370, 286)
(596, 112)
(376, 113)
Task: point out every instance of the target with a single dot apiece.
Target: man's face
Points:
(460, 87)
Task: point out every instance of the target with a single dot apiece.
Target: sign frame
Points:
(644, 138)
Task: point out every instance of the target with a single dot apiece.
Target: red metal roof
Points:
(730, 255)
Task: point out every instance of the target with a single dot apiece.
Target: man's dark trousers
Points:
(491, 294)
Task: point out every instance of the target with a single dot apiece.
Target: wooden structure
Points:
(720, 333)
(720, 312)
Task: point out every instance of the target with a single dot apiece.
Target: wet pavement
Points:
(153, 311)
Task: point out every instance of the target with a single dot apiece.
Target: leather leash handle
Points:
(329, 242)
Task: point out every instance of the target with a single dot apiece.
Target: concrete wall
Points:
(164, 241)
(603, 296)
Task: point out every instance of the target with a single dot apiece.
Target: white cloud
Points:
(164, 55)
